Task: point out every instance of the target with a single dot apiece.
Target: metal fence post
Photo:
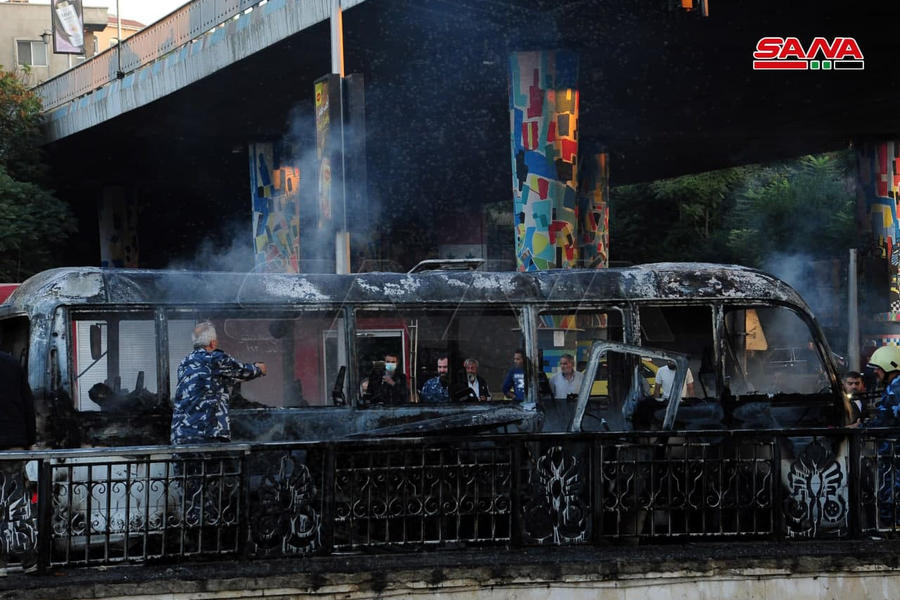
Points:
(853, 477)
(778, 520)
(515, 490)
(595, 470)
(245, 536)
(328, 476)
(45, 506)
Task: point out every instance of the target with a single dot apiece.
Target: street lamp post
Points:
(46, 37)
(119, 73)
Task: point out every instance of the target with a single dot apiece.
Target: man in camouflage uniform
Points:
(435, 389)
(886, 362)
(205, 377)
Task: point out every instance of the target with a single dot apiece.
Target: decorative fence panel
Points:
(115, 505)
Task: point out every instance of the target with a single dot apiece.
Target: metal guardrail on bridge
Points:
(146, 46)
(115, 505)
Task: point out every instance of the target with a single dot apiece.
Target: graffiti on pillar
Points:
(543, 102)
(593, 209)
(117, 214)
(879, 166)
(276, 210)
(324, 88)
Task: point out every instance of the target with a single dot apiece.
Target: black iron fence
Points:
(113, 505)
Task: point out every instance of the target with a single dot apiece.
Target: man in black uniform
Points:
(17, 430)
(387, 385)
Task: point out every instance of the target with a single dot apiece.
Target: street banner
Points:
(67, 17)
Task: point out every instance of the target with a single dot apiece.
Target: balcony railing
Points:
(115, 505)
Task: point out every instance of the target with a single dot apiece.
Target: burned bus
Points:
(740, 443)
(102, 348)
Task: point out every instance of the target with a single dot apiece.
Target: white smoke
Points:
(813, 278)
(228, 250)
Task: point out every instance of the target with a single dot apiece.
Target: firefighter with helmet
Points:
(886, 362)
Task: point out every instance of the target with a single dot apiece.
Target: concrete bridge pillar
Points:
(117, 215)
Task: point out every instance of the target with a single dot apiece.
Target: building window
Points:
(113, 42)
(31, 53)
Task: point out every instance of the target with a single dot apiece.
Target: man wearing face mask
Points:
(436, 389)
(388, 386)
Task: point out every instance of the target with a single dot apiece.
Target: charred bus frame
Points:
(545, 312)
(740, 458)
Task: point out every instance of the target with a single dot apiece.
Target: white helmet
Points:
(887, 358)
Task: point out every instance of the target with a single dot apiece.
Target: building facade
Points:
(26, 44)
(109, 36)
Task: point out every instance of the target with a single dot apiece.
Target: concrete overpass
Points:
(667, 92)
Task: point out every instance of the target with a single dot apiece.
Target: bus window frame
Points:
(516, 310)
(599, 350)
(65, 321)
(339, 312)
(823, 351)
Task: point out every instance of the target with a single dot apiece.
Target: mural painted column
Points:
(879, 177)
(593, 210)
(543, 102)
(330, 217)
(117, 214)
(276, 210)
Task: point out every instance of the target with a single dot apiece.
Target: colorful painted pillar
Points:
(879, 173)
(330, 219)
(879, 185)
(543, 103)
(593, 210)
(275, 188)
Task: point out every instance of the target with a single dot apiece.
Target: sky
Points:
(145, 11)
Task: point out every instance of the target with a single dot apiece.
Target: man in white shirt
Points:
(665, 378)
(567, 381)
(477, 386)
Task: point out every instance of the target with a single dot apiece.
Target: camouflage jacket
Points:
(205, 379)
(888, 408)
(433, 391)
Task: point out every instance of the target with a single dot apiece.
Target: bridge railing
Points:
(116, 505)
(146, 46)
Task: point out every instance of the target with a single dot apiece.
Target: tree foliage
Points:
(33, 222)
(744, 214)
(805, 207)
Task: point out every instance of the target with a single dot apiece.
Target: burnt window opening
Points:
(14, 338)
(775, 375)
(303, 353)
(114, 361)
(419, 338)
(687, 330)
(564, 333)
(770, 350)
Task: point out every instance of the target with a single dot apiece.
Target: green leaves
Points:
(743, 214)
(802, 207)
(33, 222)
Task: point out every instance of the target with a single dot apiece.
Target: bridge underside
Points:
(665, 92)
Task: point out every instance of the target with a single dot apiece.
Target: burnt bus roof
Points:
(664, 281)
